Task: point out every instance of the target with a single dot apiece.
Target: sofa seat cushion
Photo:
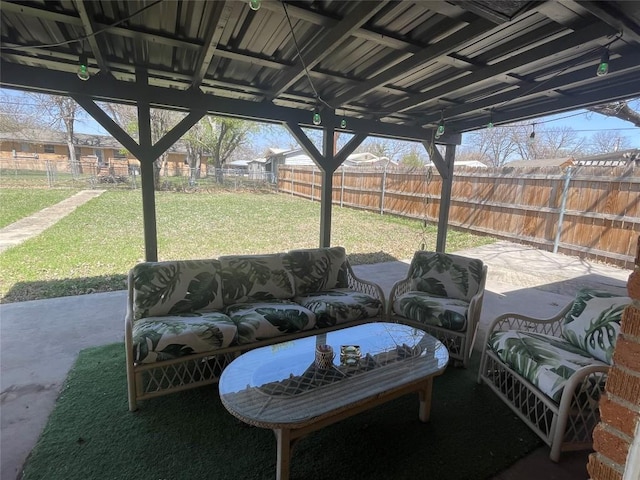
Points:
(262, 320)
(171, 336)
(339, 305)
(544, 360)
(427, 309)
(254, 278)
(593, 323)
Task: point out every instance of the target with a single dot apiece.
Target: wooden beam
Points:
(90, 33)
(445, 168)
(430, 53)
(109, 89)
(217, 22)
(575, 40)
(329, 40)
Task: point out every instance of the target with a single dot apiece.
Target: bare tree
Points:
(607, 141)
(383, 147)
(492, 146)
(60, 113)
(624, 110)
(16, 114)
(554, 142)
(162, 121)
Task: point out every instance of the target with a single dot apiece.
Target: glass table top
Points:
(281, 384)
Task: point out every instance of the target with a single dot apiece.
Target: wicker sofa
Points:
(552, 372)
(186, 320)
(442, 294)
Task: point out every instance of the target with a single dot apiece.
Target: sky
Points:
(585, 123)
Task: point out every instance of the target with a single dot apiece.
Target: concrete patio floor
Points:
(40, 340)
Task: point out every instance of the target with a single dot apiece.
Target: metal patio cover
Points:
(391, 69)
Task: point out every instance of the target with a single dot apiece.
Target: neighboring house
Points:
(543, 162)
(52, 145)
(274, 157)
(613, 159)
(469, 163)
(33, 148)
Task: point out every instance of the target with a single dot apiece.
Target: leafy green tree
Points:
(221, 137)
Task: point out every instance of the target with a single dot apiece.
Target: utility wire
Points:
(84, 37)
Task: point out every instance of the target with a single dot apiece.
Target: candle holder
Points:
(324, 356)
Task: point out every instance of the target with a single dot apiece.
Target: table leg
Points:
(283, 437)
(425, 401)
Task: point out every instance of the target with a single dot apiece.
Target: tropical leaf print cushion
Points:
(337, 306)
(423, 308)
(546, 361)
(317, 269)
(248, 278)
(593, 323)
(163, 338)
(446, 275)
(168, 288)
(261, 320)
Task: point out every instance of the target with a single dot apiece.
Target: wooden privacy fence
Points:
(584, 211)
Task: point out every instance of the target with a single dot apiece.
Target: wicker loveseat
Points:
(186, 320)
(442, 294)
(552, 372)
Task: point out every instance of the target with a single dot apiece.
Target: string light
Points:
(317, 119)
(533, 133)
(343, 123)
(490, 124)
(603, 66)
(440, 129)
(255, 4)
(83, 68)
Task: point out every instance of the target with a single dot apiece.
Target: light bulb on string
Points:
(83, 68)
(255, 4)
(490, 124)
(532, 135)
(317, 119)
(603, 66)
(440, 128)
(343, 123)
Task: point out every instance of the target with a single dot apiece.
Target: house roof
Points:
(612, 159)
(542, 162)
(394, 69)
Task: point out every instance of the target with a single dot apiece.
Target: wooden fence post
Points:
(342, 187)
(563, 204)
(382, 188)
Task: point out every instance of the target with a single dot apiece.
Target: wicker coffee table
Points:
(281, 388)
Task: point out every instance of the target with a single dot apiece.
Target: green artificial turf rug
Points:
(189, 435)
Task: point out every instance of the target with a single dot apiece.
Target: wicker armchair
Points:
(442, 294)
(552, 372)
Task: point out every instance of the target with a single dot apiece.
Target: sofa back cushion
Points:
(317, 269)
(593, 323)
(446, 275)
(251, 278)
(174, 287)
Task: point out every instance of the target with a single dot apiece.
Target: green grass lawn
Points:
(17, 203)
(93, 248)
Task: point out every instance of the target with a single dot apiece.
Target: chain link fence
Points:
(21, 172)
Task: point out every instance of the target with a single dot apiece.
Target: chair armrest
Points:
(517, 321)
(364, 286)
(398, 289)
